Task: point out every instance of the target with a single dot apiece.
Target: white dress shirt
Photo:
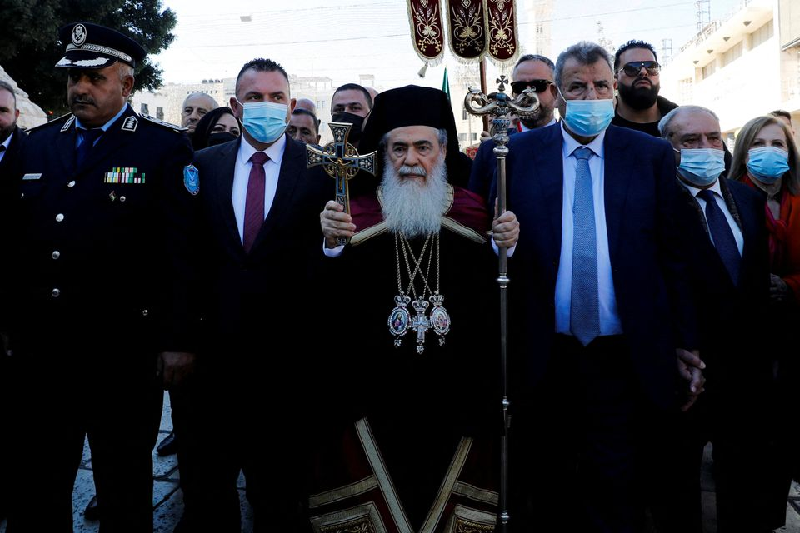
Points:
(737, 231)
(241, 175)
(606, 298)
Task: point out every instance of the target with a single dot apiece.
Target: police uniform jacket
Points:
(102, 249)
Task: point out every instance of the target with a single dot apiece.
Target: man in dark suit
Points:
(100, 287)
(11, 139)
(532, 71)
(604, 319)
(260, 219)
(731, 285)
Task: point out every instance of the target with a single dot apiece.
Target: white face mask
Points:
(701, 166)
(264, 121)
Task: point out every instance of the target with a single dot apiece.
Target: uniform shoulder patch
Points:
(64, 121)
(191, 179)
(168, 125)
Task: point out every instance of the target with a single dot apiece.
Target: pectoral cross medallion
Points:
(399, 318)
(440, 319)
(420, 322)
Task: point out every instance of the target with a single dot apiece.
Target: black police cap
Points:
(93, 46)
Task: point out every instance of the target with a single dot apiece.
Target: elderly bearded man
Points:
(415, 390)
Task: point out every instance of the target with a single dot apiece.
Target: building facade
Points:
(742, 67)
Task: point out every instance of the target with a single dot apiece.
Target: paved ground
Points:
(168, 502)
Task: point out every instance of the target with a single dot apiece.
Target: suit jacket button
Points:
(144, 312)
(56, 254)
(71, 184)
(59, 217)
(55, 293)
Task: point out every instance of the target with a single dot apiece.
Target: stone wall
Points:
(30, 114)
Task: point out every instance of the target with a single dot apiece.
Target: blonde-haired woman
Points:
(765, 157)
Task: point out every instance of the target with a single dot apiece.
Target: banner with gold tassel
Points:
(427, 30)
(466, 21)
(476, 29)
(501, 28)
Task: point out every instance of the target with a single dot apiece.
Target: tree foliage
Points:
(30, 47)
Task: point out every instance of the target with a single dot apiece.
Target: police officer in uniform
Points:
(101, 288)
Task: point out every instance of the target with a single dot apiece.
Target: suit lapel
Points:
(551, 182)
(222, 180)
(616, 180)
(292, 164)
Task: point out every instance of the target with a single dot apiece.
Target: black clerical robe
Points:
(412, 438)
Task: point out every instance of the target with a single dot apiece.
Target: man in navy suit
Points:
(259, 216)
(603, 318)
(733, 351)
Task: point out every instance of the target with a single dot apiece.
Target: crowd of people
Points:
(656, 285)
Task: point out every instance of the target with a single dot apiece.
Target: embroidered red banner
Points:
(425, 17)
(467, 28)
(501, 28)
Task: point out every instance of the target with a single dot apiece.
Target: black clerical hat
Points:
(92, 46)
(412, 106)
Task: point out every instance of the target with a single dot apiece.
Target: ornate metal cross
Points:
(341, 161)
(420, 323)
(499, 104)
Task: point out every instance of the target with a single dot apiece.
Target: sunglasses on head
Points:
(537, 85)
(633, 68)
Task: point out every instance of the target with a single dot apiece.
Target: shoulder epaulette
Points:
(65, 121)
(163, 124)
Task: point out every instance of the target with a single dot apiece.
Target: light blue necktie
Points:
(584, 314)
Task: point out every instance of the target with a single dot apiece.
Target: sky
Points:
(341, 39)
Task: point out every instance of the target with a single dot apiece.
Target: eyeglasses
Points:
(539, 86)
(633, 68)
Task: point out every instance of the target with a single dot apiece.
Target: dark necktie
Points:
(722, 235)
(89, 137)
(584, 313)
(254, 205)
(2, 147)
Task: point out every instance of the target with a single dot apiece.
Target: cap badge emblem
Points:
(79, 35)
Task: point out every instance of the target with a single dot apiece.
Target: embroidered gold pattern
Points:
(468, 526)
(502, 40)
(360, 525)
(467, 37)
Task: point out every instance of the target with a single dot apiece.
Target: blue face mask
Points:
(767, 163)
(264, 121)
(701, 166)
(589, 118)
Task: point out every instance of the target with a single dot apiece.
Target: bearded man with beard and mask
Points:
(602, 317)
(531, 71)
(639, 106)
(413, 372)
(724, 226)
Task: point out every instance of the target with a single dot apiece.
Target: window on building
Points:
(144, 110)
(709, 69)
(762, 34)
(462, 137)
(464, 114)
(474, 136)
(160, 113)
(732, 54)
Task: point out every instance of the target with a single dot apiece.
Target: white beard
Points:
(410, 207)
